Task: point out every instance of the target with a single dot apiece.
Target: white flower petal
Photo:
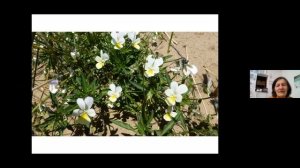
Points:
(121, 34)
(158, 62)
(105, 57)
(81, 103)
(155, 69)
(147, 66)
(138, 40)
(91, 112)
(98, 59)
(131, 36)
(110, 93)
(89, 102)
(174, 86)
(150, 60)
(122, 40)
(114, 35)
(113, 41)
(193, 69)
(117, 94)
(54, 82)
(181, 89)
(52, 88)
(186, 72)
(169, 92)
(112, 87)
(77, 112)
(173, 114)
(178, 98)
(149, 57)
(118, 89)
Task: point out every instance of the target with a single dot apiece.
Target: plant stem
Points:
(173, 41)
(36, 62)
(170, 42)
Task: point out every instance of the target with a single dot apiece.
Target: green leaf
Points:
(167, 57)
(54, 99)
(150, 117)
(136, 85)
(167, 127)
(67, 110)
(171, 124)
(123, 125)
(140, 128)
(182, 122)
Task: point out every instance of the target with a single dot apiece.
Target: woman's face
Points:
(281, 88)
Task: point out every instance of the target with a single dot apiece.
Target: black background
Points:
(251, 131)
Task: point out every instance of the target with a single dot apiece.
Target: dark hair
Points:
(288, 84)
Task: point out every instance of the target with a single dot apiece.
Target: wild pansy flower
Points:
(53, 86)
(170, 113)
(174, 93)
(190, 70)
(135, 41)
(85, 111)
(152, 66)
(117, 39)
(114, 93)
(101, 60)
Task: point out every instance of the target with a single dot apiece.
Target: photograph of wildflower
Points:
(124, 83)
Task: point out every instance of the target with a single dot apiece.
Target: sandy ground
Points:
(202, 50)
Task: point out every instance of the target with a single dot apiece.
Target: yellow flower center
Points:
(119, 45)
(167, 117)
(100, 64)
(84, 119)
(172, 99)
(113, 98)
(150, 72)
(85, 116)
(136, 45)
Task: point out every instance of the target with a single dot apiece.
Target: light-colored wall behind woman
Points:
(289, 75)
